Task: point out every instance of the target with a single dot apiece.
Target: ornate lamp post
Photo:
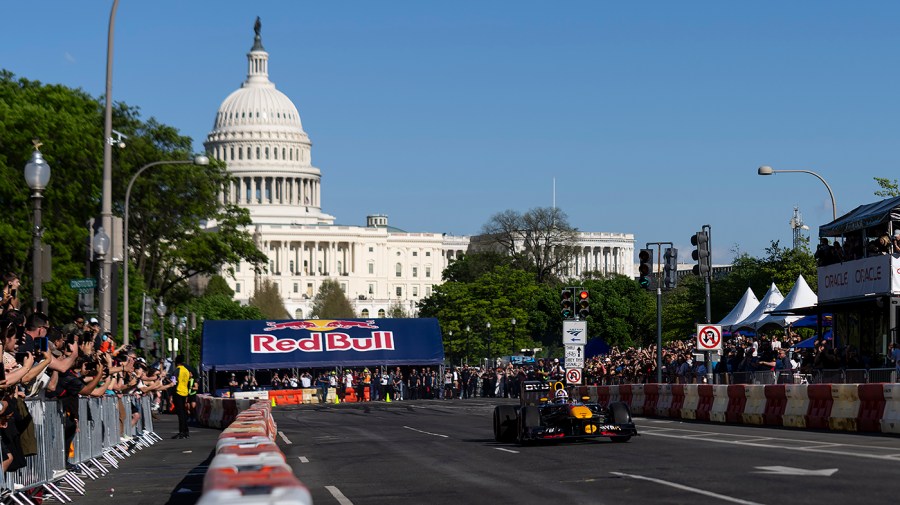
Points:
(37, 175)
(173, 320)
(450, 335)
(161, 312)
(468, 331)
(490, 340)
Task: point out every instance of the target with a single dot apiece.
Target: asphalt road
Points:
(443, 452)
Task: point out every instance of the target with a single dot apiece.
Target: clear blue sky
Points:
(652, 116)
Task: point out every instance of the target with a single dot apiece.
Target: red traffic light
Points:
(584, 295)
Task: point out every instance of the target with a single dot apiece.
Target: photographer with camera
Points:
(10, 299)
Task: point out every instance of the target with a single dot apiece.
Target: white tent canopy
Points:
(801, 295)
(740, 311)
(767, 304)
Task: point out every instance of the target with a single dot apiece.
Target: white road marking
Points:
(304, 459)
(338, 495)
(427, 432)
(284, 437)
(789, 470)
(687, 488)
(506, 450)
(785, 444)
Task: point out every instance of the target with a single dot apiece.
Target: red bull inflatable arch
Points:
(320, 343)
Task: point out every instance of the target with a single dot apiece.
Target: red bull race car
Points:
(546, 413)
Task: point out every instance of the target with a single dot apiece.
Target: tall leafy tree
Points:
(217, 285)
(331, 302)
(496, 297)
(889, 187)
(268, 300)
(69, 123)
(540, 240)
(168, 208)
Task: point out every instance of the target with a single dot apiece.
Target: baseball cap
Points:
(94, 321)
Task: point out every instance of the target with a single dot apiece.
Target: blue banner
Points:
(320, 343)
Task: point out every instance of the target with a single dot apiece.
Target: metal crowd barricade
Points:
(47, 467)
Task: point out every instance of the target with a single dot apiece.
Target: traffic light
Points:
(645, 268)
(701, 253)
(148, 313)
(670, 269)
(567, 304)
(584, 304)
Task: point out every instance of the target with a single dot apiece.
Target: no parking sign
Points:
(709, 337)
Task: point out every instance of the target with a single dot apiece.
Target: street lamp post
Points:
(513, 321)
(490, 341)
(450, 334)
(198, 160)
(106, 194)
(161, 312)
(37, 175)
(767, 170)
(468, 331)
(173, 320)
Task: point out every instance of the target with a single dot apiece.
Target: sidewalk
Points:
(168, 472)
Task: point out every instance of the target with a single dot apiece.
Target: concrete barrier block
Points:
(797, 405)
(720, 403)
(691, 400)
(845, 407)
(637, 399)
(890, 420)
(755, 406)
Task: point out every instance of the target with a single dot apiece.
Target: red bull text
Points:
(318, 342)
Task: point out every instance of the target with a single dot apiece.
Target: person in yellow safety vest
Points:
(182, 389)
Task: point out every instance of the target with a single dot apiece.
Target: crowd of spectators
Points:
(857, 246)
(744, 359)
(62, 363)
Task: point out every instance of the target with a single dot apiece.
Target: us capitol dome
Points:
(259, 136)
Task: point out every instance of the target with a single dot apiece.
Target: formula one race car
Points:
(546, 412)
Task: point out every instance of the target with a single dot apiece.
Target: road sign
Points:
(574, 332)
(83, 285)
(573, 375)
(709, 337)
(574, 356)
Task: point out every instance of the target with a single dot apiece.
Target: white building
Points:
(258, 134)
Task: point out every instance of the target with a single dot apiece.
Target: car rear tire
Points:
(505, 423)
(619, 414)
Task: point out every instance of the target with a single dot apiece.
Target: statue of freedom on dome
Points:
(257, 26)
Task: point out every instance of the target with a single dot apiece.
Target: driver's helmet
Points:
(561, 395)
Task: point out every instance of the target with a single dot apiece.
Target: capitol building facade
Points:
(259, 136)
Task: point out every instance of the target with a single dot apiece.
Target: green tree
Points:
(622, 313)
(889, 187)
(215, 307)
(497, 297)
(540, 240)
(69, 123)
(168, 205)
(397, 311)
(474, 265)
(217, 285)
(331, 302)
(268, 300)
